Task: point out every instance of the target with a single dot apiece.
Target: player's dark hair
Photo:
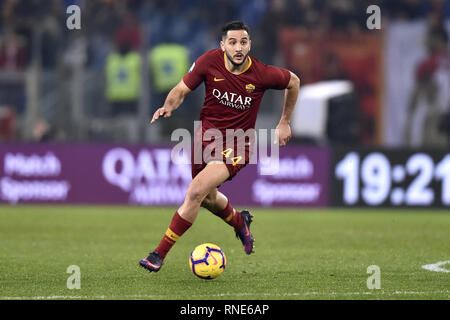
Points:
(234, 25)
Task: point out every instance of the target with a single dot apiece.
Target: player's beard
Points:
(230, 58)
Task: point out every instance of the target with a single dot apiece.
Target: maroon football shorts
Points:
(235, 158)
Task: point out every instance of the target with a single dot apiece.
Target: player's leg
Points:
(207, 180)
(214, 174)
(217, 203)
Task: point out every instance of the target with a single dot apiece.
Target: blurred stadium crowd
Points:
(57, 84)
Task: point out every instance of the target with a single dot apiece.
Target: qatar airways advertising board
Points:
(146, 175)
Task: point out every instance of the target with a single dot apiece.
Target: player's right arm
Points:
(173, 100)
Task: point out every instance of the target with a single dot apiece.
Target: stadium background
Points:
(84, 180)
(99, 85)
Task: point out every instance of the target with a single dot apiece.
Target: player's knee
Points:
(207, 202)
(195, 195)
(210, 200)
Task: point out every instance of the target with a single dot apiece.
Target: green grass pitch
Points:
(299, 254)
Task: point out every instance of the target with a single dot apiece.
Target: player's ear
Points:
(222, 45)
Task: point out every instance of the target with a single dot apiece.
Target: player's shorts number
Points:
(227, 154)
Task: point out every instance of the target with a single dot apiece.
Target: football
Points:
(207, 261)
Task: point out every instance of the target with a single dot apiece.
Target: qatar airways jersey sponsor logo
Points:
(233, 100)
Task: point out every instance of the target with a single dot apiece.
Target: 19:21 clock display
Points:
(386, 177)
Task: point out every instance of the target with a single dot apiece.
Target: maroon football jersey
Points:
(232, 101)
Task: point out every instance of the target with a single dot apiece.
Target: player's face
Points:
(236, 46)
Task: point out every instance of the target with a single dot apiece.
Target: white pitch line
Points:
(436, 267)
(292, 294)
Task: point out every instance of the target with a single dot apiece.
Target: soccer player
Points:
(234, 86)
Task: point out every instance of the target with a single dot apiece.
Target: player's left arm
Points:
(283, 128)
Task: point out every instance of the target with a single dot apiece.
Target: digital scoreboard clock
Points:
(390, 178)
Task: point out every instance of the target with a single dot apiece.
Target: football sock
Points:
(177, 227)
(231, 216)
